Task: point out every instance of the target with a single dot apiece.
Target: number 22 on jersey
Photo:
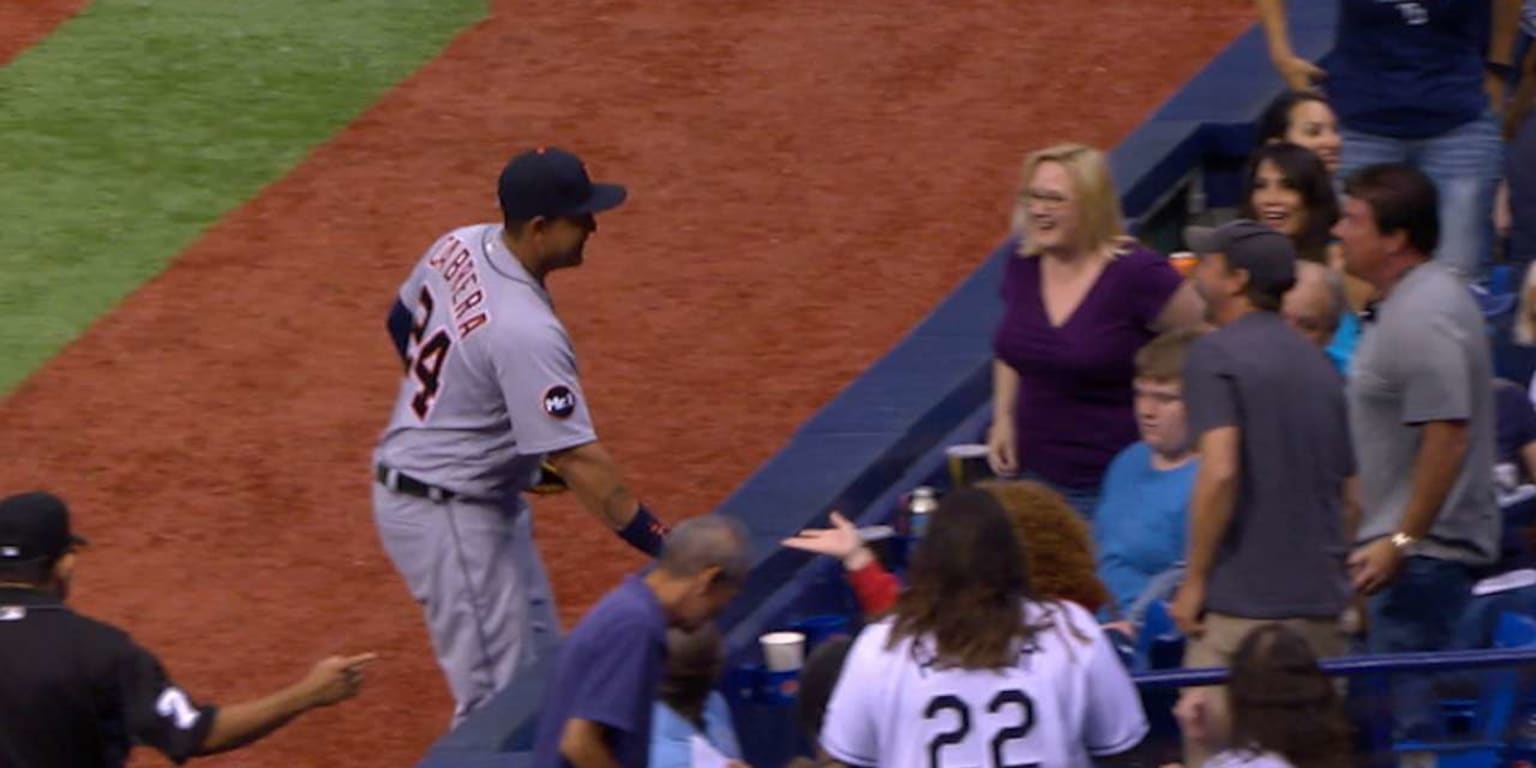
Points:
(1008, 717)
(425, 362)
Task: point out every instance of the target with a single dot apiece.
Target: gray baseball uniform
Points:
(490, 388)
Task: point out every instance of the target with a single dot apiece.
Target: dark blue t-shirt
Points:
(1516, 420)
(1520, 170)
(1516, 429)
(608, 672)
(1409, 69)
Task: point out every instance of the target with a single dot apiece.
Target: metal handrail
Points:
(1354, 666)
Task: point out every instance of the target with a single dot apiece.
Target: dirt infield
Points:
(806, 178)
(24, 22)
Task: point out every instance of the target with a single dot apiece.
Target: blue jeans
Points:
(1419, 611)
(1465, 163)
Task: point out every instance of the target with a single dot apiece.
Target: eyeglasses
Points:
(1043, 199)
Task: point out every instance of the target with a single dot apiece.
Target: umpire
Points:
(76, 692)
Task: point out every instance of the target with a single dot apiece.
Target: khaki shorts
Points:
(1216, 646)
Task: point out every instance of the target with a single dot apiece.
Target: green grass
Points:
(140, 122)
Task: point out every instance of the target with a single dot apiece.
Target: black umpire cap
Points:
(34, 528)
(549, 181)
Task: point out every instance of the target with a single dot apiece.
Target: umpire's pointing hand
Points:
(335, 679)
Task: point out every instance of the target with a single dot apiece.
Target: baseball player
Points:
(489, 405)
(970, 671)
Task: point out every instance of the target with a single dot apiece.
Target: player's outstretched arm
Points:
(593, 476)
(332, 680)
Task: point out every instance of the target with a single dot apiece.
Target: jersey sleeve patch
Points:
(559, 402)
(159, 713)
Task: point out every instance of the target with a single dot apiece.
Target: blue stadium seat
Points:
(1493, 710)
(1496, 305)
(1159, 644)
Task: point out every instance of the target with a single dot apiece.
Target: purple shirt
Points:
(608, 672)
(1075, 399)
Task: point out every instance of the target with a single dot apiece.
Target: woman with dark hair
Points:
(1287, 188)
(1285, 713)
(818, 677)
(1303, 118)
(971, 669)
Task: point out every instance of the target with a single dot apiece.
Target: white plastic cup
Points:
(783, 651)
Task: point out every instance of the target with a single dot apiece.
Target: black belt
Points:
(400, 482)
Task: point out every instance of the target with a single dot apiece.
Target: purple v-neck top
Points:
(1075, 398)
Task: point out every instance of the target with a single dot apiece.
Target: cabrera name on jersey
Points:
(1067, 698)
(490, 382)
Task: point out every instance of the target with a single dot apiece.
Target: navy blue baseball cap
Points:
(34, 527)
(550, 181)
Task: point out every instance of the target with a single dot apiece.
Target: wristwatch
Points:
(1403, 541)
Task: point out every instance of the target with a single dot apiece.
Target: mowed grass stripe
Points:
(140, 122)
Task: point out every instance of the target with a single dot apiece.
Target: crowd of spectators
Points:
(1296, 447)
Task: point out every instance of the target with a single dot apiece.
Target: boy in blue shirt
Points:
(1140, 524)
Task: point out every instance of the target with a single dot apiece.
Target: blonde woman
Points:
(1081, 297)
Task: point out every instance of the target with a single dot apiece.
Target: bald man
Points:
(1313, 307)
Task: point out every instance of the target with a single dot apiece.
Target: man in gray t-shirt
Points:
(1266, 409)
(1421, 411)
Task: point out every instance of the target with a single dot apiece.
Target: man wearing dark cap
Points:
(489, 408)
(77, 692)
(1268, 531)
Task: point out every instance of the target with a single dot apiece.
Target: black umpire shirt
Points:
(79, 693)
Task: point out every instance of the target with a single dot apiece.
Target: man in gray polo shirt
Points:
(1421, 411)
(1267, 536)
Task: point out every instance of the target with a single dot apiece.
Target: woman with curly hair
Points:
(1061, 564)
(1283, 711)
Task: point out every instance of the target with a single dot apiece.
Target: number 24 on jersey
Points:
(425, 363)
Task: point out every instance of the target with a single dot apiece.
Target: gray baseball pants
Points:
(473, 568)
